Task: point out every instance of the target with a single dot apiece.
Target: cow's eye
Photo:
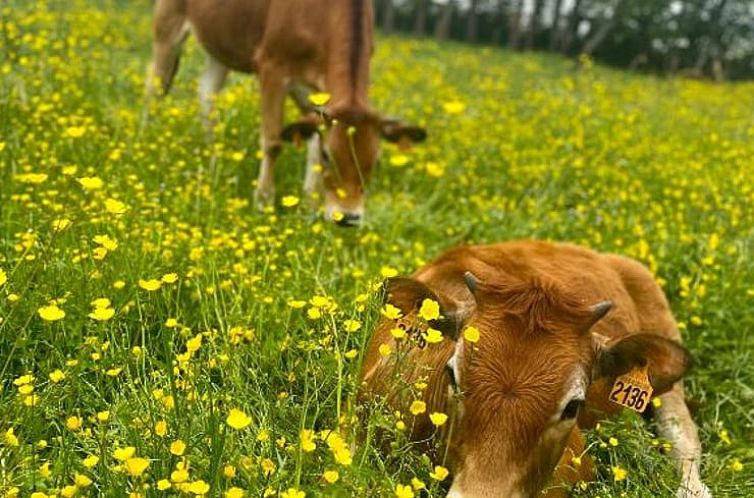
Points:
(571, 409)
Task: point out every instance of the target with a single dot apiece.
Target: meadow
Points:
(160, 337)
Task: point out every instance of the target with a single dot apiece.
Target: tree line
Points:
(696, 38)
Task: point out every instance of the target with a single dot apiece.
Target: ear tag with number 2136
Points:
(632, 390)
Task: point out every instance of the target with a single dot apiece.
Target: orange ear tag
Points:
(632, 390)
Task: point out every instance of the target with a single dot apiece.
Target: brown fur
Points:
(533, 307)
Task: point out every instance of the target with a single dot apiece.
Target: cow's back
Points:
(589, 276)
(230, 30)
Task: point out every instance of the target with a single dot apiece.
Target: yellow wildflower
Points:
(51, 313)
(418, 407)
(237, 419)
(471, 334)
(136, 466)
(430, 310)
(439, 474)
(438, 418)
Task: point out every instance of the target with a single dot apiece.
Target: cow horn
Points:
(600, 309)
(471, 281)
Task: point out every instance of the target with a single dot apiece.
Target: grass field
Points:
(159, 337)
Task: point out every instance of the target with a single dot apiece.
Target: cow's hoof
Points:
(698, 490)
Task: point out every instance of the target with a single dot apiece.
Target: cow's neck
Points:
(349, 51)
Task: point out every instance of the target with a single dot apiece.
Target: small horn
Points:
(600, 309)
(471, 281)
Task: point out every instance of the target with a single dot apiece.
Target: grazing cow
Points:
(295, 46)
(557, 324)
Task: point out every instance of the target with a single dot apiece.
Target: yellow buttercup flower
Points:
(114, 206)
(471, 334)
(123, 454)
(136, 466)
(102, 314)
(292, 493)
(619, 474)
(177, 447)
(319, 98)
(453, 107)
(237, 419)
(307, 440)
(404, 491)
(430, 310)
(289, 201)
(437, 418)
(391, 312)
(56, 376)
(418, 407)
(433, 336)
(234, 492)
(91, 182)
(150, 285)
(199, 487)
(439, 474)
(73, 423)
(51, 313)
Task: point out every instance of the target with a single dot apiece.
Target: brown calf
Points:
(295, 46)
(557, 324)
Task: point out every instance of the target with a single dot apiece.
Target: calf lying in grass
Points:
(523, 345)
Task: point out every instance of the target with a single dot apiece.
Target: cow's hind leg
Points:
(169, 30)
(273, 92)
(210, 84)
(675, 424)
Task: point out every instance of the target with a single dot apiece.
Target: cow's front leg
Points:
(273, 91)
(313, 178)
(675, 424)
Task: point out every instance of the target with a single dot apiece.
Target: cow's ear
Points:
(299, 131)
(408, 294)
(405, 135)
(667, 360)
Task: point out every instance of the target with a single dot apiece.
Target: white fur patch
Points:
(575, 388)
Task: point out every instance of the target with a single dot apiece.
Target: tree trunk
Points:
(555, 31)
(420, 17)
(572, 28)
(497, 32)
(442, 26)
(388, 16)
(533, 28)
(514, 26)
(471, 22)
(603, 31)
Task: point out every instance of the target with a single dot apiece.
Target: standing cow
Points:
(556, 325)
(294, 46)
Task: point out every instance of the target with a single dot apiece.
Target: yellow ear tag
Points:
(632, 390)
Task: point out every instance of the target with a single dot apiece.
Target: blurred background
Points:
(693, 38)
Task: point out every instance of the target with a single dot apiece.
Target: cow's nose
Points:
(349, 220)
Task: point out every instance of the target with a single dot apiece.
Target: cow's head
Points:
(524, 382)
(349, 152)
